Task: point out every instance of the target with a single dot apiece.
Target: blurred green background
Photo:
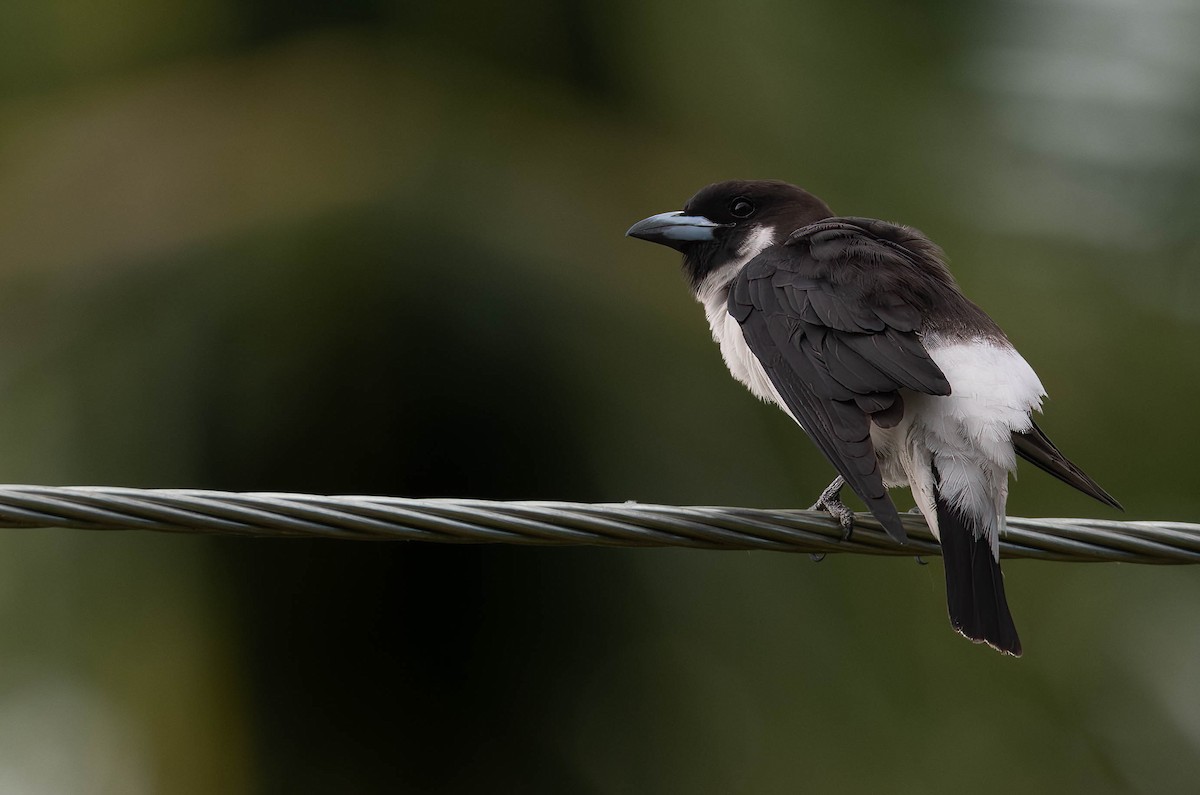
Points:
(376, 247)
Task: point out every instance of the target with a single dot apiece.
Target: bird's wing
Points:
(1035, 447)
(838, 341)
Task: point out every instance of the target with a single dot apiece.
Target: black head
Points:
(729, 222)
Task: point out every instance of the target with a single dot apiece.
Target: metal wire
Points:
(562, 523)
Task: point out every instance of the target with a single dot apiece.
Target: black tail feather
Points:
(974, 584)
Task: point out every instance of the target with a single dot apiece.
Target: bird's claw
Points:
(830, 502)
(845, 518)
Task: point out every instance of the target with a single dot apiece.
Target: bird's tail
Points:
(974, 583)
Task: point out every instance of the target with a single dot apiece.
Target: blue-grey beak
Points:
(674, 229)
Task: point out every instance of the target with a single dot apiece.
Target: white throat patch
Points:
(713, 290)
(756, 241)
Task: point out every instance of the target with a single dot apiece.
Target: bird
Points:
(857, 330)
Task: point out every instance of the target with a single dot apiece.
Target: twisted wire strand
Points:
(461, 521)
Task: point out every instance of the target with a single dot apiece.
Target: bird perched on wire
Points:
(856, 329)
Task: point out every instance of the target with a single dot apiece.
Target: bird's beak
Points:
(674, 229)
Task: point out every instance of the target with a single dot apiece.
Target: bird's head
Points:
(728, 223)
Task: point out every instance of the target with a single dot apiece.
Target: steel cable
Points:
(562, 523)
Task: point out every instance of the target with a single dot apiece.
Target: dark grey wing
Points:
(837, 339)
(1036, 448)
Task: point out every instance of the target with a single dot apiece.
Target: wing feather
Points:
(1035, 447)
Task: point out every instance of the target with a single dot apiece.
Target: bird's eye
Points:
(741, 207)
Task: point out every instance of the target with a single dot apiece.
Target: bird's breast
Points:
(741, 361)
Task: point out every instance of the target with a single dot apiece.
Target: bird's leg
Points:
(831, 503)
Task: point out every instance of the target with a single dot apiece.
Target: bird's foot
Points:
(830, 502)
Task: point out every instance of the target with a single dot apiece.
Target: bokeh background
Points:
(375, 246)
